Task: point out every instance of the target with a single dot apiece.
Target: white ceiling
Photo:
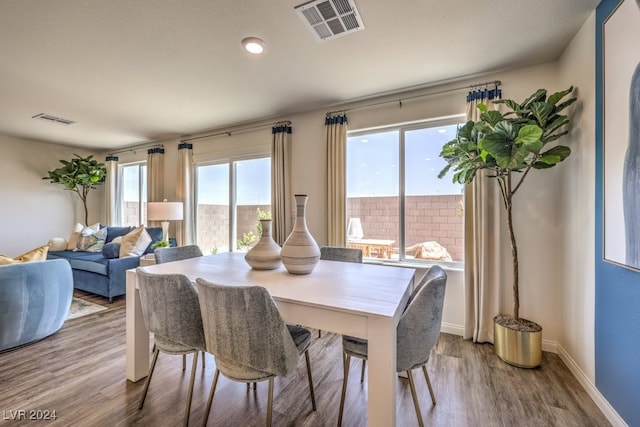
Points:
(131, 71)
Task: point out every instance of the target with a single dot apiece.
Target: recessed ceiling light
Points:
(254, 45)
(442, 131)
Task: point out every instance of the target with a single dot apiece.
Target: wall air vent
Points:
(328, 19)
(53, 119)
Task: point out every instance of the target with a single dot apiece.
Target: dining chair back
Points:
(248, 337)
(176, 253)
(337, 253)
(171, 311)
(417, 333)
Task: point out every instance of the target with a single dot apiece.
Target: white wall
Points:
(577, 285)
(536, 211)
(34, 210)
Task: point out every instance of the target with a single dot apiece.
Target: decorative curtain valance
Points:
(336, 137)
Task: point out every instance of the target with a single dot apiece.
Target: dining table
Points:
(357, 299)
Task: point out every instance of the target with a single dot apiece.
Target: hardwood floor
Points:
(79, 373)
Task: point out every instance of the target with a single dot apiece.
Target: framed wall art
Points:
(621, 134)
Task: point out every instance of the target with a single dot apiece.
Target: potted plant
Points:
(81, 175)
(509, 146)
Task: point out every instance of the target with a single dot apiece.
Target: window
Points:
(230, 196)
(133, 194)
(394, 195)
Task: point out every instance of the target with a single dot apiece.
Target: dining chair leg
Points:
(313, 396)
(210, 400)
(426, 377)
(203, 359)
(187, 410)
(184, 362)
(347, 360)
(148, 380)
(270, 402)
(414, 395)
(364, 363)
(319, 333)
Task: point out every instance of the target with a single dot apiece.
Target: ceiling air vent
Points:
(328, 19)
(53, 119)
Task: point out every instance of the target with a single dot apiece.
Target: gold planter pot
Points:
(518, 348)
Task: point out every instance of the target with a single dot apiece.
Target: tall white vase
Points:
(265, 255)
(300, 252)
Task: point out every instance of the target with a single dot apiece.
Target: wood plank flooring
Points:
(79, 373)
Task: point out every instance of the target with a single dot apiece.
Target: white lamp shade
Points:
(164, 211)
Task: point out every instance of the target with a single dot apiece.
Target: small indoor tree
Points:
(81, 175)
(509, 145)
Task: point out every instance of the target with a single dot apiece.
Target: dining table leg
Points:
(382, 372)
(137, 334)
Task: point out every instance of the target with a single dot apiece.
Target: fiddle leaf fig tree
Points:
(81, 175)
(509, 145)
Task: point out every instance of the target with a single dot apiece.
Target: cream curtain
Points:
(155, 178)
(281, 193)
(112, 216)
(336, 137)
(185, 190)
(483, 217)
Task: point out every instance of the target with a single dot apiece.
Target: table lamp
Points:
(164, 212)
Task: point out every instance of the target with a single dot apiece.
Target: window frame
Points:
(231, 161)
(402, 129)
(142, 212)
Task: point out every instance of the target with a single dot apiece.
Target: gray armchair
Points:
(418, 332)
(249, 339)
(171, 312)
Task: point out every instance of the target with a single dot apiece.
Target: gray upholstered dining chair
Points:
(178, 253)
(418, 332)
(338, 253)
(249, 339)
(171, 312)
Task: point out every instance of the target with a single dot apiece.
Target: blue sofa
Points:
(103, 273)
(35, 298)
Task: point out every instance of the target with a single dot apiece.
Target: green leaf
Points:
(537, 96)
(562, 151)
(491, 117)
(529, 134)
(565, 104)
(509, 103)
(541, 111)
(483, 107)
(558, 122)
(553, 99)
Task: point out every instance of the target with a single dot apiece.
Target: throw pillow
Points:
(135, 242)
(37, 254)
(156, 236)
(75, 234)
(111, 250)
(115, 232)
(57, 244)
(91, 240)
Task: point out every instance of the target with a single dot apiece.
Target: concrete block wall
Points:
(428, 218)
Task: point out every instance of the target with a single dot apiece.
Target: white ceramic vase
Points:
(300, 252)
(265, 255)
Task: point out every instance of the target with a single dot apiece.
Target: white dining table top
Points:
(369, 289)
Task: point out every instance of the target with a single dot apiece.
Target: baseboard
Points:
(450, 328)
(550, 346)
(602, 403)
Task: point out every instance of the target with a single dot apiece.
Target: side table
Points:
(148, 259)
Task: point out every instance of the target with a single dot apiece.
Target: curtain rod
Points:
(137, 147)
(230, 132)
(399, 100)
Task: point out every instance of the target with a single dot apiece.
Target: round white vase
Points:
(265, 255)
(300, 252)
